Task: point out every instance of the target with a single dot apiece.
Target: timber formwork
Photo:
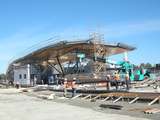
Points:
(130, 97)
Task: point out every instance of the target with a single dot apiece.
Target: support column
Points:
(28, 75)
(60, 65)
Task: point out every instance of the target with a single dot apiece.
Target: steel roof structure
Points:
(66, 50)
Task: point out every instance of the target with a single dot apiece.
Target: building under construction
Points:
(84, 61)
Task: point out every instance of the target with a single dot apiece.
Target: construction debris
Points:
(51, 97)
(140, 109)
(152, 111)
(42, 96)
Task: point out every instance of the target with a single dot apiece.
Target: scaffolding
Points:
(99, 53)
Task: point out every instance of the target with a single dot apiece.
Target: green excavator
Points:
(135, 73)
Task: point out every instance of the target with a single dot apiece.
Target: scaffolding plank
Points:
(86, 97)
(117, 99)
(106, 98)
(134, 100)
(153, 101)
(96, 97)
(77, 96)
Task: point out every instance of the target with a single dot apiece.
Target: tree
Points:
(142, 65)
(2, 76)
(145, 65)
(148, 65)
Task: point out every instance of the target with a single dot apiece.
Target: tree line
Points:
(2, 76)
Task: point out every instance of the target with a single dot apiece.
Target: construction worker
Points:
(108, 81)
(127, 80)
(117, 79)
(65, 87)
(34, 80)
(17, 84)
(73, 87)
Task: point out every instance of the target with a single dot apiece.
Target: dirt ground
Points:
(19, 106)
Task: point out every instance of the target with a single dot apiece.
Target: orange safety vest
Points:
(127, 77)
(65, 84)
(117, 77)
(73, 84)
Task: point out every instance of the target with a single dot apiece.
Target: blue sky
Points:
(24, 23)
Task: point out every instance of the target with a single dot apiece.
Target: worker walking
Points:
(17, 85)
(108, 82)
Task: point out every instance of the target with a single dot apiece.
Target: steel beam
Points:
(60, 65)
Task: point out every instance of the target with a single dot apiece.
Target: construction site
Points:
(79, 59)
(81, 73)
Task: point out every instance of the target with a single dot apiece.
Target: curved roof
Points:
(64, 47)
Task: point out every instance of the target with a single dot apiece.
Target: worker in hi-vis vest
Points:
(127, 80)
(117, 78)
(65, 87)
(108, 82)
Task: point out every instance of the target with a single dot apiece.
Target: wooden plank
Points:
(76, 96)
(106, 98)
(155, 111)
(134, 100)
(51, 97)
(96, 97)
(153, 101)
(86, 97)
(117, 99)
(152, 111)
